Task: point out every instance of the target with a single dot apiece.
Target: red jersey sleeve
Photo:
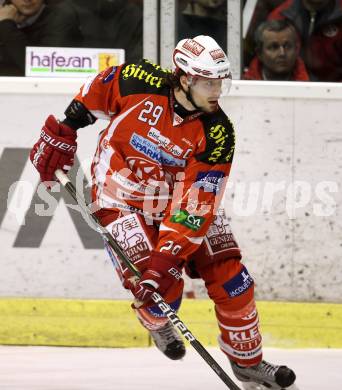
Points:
(101, 94)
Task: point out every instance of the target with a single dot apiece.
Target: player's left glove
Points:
(162, 273)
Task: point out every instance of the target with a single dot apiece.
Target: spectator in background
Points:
(260, 13)
(99, 24)
(319, 25)
(277, 54)
(22, 23)
(208, 17)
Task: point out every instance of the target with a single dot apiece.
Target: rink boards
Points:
(105, 323)
(284, 195)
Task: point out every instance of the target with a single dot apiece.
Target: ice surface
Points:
(58, 368)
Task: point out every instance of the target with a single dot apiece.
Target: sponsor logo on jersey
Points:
(157, 312)
(128, 233)
(109, 76)
(190, 221)
(128, 184)
(219, 236)
(193, 47)
(246, 341)
(150, 149)
(245, 335)
(134, 71)
(219, 136)
(165, 142)
(239, 284)
(210, 181)
(146, 147)
(187, 142)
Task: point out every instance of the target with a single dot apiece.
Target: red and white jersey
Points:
(151, 160)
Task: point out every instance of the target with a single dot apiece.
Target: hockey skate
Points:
(265, 375)
(168, 341)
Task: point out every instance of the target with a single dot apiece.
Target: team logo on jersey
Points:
(192, 222)
(239, 284)
(210, 181)
(145, 170)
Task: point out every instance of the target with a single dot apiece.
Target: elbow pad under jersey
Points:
(77, 115)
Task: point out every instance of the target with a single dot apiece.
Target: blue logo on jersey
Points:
(210, 181)
(239, 284)
(146, 147)
(171, 161)
(156, 312)
(151, 150)
(110, 77)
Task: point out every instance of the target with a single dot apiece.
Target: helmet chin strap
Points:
(188, 95)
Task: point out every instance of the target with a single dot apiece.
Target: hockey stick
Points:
(163, 306)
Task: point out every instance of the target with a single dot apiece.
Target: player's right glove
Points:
(161, 274)
(54, 150)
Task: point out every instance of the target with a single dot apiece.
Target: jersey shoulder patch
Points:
(220, 139)
(143, 77)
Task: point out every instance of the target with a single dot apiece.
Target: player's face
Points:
(206, 92)
(28, 7)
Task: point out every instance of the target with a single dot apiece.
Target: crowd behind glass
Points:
(298, 40)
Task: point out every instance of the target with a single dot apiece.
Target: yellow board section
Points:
(100, 323)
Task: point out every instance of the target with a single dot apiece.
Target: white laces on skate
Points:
(165, 336)
(265, 374)
(168, 341)
(267, 368)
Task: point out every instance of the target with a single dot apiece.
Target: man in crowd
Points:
(277, 54)
(158, 175)
(319, 26)
(262, 9)
(22, 23)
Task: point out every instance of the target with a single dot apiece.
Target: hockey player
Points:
(158, 174)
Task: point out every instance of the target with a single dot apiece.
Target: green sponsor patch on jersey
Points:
(190, 221)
